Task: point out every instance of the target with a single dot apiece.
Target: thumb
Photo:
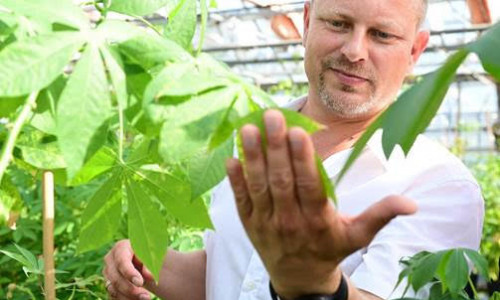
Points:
(365, 226)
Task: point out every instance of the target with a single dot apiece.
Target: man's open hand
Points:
(298, 233)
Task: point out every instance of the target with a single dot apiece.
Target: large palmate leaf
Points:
(181, 24)
(101, 217)
(53, 11)
(175, 195)
(406, 118)
(146, 227)
(486, 48)
(150, 50)
(83, 108)
(32, 64)
(137, 7)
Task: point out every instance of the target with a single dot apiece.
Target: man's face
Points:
(358, 52)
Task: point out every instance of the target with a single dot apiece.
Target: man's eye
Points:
(338, 24)
(382, 35)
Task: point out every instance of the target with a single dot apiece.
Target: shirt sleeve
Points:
(450, 215)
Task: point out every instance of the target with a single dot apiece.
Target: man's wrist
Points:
(341, 293)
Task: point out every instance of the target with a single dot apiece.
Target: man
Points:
(279, 227)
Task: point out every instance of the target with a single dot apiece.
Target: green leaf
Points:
(181, 24)
(456, 272)
(178, 80)
(425, 271)
(102, 161)
(180, 143)
(406, 118)
(10, 201)
(137, 7)
(495, 296)
(85, 105)
(53, 11)
(146, 228)
(43, 156)
(114, 66)
(32, 64)
(115, 31)
(207, 168)
(44, 118)
(101, 217)
(9, 105)
(486, 48)
(292, 119)
(149, 51)
(175, 195)
(414, 110)
(479, 261)
(327, 183)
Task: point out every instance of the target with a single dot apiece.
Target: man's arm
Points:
(181, 277)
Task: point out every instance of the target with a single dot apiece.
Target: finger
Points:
(146, 274)
(123, 256)
(255, 169)
(120, 287)
(237, 180)
(308, 184)
(279, 167)
(366, 225)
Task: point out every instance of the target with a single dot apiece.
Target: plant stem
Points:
(14, 133)
(203, 26)
(476, 296)
(121, 134)
(148, 24)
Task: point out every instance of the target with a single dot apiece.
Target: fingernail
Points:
(144, 297)
(295, 140)
(248, 139)
(136, 281)
(273, 123)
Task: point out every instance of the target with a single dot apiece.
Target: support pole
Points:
(48, 234)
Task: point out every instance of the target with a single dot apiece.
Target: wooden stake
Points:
(48, 234)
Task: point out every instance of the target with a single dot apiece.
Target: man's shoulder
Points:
(429, 156)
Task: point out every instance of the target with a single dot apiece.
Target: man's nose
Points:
(355, 47)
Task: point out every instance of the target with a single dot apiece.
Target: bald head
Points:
(421, 8)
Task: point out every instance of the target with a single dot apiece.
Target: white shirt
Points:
(450, 215)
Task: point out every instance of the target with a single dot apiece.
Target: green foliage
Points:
(487, 173)
(137, 130)
(446, 271)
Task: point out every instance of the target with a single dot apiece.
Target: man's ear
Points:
(419, 45)
(307, 14)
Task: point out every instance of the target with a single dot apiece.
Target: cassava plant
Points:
(141, 110)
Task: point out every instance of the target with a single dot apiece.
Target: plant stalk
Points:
(48, 235)
(121, 134)
(476, 296)
(14, 133)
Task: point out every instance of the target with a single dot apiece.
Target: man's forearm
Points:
(182, 276)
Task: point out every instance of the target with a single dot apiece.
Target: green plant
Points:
(144, 117)
(487, 173)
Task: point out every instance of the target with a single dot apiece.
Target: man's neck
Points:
(340, 133)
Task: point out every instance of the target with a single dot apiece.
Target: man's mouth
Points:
(349, 78)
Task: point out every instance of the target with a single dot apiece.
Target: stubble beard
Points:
(342, 104)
